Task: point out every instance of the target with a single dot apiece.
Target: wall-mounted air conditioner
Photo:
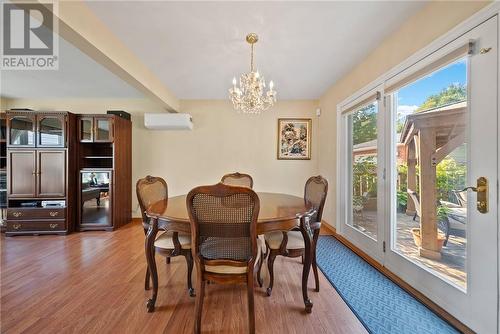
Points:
(168, 121)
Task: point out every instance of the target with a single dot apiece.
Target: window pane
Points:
(363, 149)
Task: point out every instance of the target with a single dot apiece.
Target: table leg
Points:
(150, 257)
(306, 268)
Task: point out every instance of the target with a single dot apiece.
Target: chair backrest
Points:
(223, 224)
(414, 197)
(315, 193)
(150, 190)
(461, 197)
(238, 179)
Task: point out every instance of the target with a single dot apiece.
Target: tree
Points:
(452, 94)
(364, 124)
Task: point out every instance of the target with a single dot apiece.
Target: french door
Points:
(431, 166)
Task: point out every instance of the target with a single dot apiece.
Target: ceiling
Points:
(78, 76)
(196, 48)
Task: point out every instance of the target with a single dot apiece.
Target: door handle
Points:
(482, 194)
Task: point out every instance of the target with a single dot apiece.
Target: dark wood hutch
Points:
(49, 158)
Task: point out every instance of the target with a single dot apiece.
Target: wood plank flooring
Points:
(92, 282)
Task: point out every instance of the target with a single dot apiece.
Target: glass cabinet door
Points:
(51, 131)
(22, 130)
(86, 131)
(103, 129)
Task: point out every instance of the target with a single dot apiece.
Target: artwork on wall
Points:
(294, 138)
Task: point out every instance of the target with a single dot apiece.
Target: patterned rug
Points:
(381, 305)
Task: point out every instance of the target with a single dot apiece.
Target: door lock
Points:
(482, 194)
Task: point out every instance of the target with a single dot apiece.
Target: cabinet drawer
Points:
(35, 213)
(35, 226)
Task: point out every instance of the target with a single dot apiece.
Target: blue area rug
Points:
(381, 305)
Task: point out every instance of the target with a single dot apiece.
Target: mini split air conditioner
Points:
(168, 121)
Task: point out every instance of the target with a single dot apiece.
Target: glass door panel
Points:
(95, 198)
(103, 129)
(86, 129)
(431, 163)
(22, 131)
(51, 131)
(363, 169)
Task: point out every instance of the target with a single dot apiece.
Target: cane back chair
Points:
(291, 243)
(238, 179)
(152, 190)
(225, 247)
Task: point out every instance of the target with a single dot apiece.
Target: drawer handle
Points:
(16, 226)
(53, 213)
(17, 214)
(52, 226)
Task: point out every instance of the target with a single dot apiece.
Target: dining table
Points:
(278, 212)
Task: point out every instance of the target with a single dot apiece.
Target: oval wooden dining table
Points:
(278, 212)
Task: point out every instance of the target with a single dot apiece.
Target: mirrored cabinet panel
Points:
(95, 197)
(104, 129)
(86, 131)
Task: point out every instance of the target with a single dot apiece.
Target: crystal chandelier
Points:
(249, 97)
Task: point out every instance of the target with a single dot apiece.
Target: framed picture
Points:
(294, 138)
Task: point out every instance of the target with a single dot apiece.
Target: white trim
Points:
(462, 28)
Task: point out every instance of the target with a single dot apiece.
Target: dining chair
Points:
(238, 179)
(291, 243)
(151, 190)
(223, 229)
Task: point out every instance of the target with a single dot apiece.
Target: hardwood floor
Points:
(93, 282)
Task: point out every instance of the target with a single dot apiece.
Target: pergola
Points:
(429, 137)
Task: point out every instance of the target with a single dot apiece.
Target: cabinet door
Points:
(51, 173)
(21, 130)
(21, 175)
(51, 130)
(86, 129)
(103, 129)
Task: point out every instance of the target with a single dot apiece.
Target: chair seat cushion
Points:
(295, 240)
(236, 270)
(165, 241)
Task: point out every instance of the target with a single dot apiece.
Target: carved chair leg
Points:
(270, 265)
(189, 261)
(150, 255)
(147, 278)
(261, 261)
(198, 306)
(250, 298)
(314, 265)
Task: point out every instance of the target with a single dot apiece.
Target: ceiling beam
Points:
(82, 28)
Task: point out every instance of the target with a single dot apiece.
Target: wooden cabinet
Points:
(41, 163)
(96, 129)
(22, 174)
(105, 173)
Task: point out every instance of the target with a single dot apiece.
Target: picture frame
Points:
(294, 139)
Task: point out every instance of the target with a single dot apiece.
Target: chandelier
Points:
(249, 97)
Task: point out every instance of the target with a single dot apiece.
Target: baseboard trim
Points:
(330, 230)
